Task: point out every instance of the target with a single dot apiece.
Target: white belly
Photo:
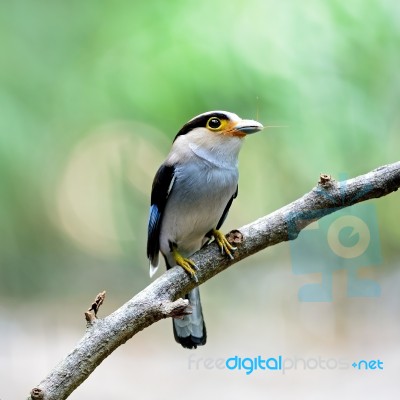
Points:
(195, 205)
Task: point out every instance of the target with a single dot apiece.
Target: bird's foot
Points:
(187, 264)
(223, 244)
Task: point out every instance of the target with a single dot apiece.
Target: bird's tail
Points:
(190, 331)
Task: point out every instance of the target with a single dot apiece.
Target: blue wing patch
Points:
(162, 186)
(153, 232)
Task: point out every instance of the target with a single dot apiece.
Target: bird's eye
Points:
(213, 123)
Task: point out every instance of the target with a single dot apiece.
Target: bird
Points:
(191, 195)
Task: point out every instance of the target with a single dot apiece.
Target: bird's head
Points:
(217, 132)
(217, 123)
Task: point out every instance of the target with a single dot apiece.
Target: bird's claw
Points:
(223, 244)
(187, 264)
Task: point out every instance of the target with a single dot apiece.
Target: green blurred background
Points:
(92, 94)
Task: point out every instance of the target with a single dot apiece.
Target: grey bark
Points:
(161, 299)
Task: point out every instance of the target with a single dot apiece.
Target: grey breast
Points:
(197, 202)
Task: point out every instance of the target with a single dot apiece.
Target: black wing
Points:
(162, 185)
(228, 206)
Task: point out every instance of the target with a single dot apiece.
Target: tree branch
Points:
(161, 299)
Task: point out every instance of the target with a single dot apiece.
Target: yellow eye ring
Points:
(214, 123)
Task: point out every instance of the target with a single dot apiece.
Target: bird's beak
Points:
(248, 126)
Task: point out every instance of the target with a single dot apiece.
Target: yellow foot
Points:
(187, 264)
(223, 243)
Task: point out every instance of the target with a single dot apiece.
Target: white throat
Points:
(226, 158)
(212, 148)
